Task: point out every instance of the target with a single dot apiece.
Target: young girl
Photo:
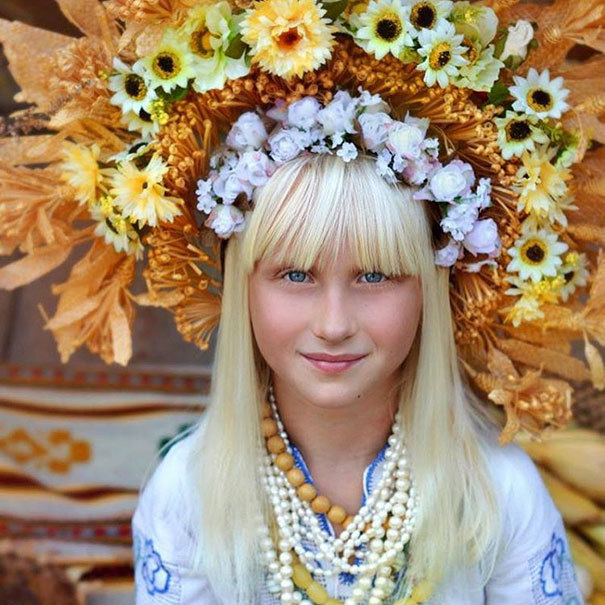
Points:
(342, 459)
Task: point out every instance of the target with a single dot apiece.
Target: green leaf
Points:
(175, 95)
(334, 8)
(498, 94)
(236, 47)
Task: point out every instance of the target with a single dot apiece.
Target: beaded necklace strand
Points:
(371, 545)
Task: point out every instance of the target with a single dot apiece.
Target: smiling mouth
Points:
(333, 366)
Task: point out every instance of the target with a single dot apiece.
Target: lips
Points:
(332, 358)
(333, 364)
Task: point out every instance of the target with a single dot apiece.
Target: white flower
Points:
(452, 181)
(382, 166)
(131, 86)
(337, 117)
(538, 96)
(383, 27)
(475, 21)
(443, 54)
(347, 152)
(519, 36)
(536, 254)
(421, 123)
(286, 144)
(228, 186)
(518, 133)
(482, 195)
(481, 73)
(371, 103)
(405, 140)
(427, 14)
(374, 129)
(446, 257)
(575, 273)
(225, 220)
(417, 171)
(141, 122)
(206, 201)
(460, 219)
(483, 238)
(248, 132)
(303, 113)
(255, 167)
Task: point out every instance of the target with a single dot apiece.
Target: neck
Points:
(337, 440)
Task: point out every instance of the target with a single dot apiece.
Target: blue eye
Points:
(299, 273)
(374, 274)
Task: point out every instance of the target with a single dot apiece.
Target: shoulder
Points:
(166, 505)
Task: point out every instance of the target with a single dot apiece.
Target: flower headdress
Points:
(165, 116)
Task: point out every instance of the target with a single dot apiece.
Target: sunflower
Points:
(518, 133)
(80, 169)
(140, 193)
(383, 28)
(131, 87)
(443, 52)
(170, 65)
(537, 95)
(288, 37)
(536, 255)
(114, 228)
(574, 272)
(427, 14)
(540, 184)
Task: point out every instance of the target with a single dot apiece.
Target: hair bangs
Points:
(315, 205)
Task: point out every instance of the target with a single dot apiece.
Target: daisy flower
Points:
(538, 96)
(207, 33)
(540, 183)
(384, 28)
(131, 87)
(170, 65)
(443, 54)
(140, 193)
(536, 255)
(141, 122)
(574, 272)
(81, 170)
(114, 228)
(288, 37)
(518, 133)
(482, 69)
(427, 14)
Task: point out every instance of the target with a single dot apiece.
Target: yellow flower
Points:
(81, 170)
(540, 184)
(140, 193)
(288, 37)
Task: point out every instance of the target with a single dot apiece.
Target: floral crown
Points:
(156, 126)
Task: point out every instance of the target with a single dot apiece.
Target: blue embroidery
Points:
(552, 567)
(155, 574)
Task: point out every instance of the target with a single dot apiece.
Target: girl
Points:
(342, 458)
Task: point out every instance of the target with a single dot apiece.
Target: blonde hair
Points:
(307, 210)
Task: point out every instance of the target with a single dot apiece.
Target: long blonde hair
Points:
(309, 207)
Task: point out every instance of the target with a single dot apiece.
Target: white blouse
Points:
(534, 565)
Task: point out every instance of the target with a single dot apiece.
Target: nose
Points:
(334, 317)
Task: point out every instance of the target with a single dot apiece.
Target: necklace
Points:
(371, 545)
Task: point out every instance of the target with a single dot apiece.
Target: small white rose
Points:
(337, 117)
(247, 133)
(228, 186)
(519, 36)
(405, 140)
(374, 129)
(255, 167)
(286, 144)
(446, 257)
(483, 238)
(225, 220)
(453, 180)
(303, 113)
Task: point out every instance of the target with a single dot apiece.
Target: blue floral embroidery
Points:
(155, 574)
(552, 567)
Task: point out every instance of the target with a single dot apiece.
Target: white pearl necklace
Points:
(377, 551)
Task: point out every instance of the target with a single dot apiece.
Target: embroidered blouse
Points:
(533, 567)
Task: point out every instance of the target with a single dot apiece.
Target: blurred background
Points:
(76, 439)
